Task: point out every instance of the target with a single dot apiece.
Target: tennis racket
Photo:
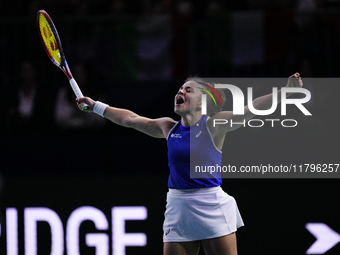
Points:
(50, 40)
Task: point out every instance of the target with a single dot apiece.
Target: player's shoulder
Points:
(165, 121)
(222, 115)
(166, 124)
(217, 124)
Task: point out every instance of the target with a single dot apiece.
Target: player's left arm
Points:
(260, 103)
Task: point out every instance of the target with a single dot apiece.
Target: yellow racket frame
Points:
(49, 40)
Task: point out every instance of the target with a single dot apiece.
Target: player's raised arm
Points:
(158, 128)
(260, 103)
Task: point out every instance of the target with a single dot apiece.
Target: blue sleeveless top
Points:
(192, 149)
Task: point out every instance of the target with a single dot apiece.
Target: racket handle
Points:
(77, 91)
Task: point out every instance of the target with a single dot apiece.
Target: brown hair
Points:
(212, 109)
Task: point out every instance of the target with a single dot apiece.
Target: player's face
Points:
(188, 98)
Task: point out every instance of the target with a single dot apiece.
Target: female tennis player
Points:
(198, 212)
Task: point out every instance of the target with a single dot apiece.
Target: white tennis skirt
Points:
(197, 214)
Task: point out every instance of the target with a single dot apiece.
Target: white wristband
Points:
(99, 108)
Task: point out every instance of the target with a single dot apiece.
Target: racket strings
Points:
(49, 40)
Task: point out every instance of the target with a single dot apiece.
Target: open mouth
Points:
(179, 100)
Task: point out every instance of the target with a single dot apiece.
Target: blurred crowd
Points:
(122, 44)
(135, 55)
(137, 7)
(32, 106)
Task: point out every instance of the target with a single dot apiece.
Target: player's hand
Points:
(86, 100)
(295, 81)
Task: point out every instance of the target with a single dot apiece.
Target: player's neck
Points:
(190, 119)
